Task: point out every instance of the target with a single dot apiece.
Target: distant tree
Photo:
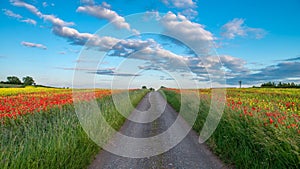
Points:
(293, 84)
(162, 87)
(28, 81)
(269, 84)
(280, 85)
(13, 80)
(144, 87)
(151, 89)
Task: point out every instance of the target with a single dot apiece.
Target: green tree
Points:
(28, 81)
(269, 84)
(13, 80)
(293, 84)
(144, 87)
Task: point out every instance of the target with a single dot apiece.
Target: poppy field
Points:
(259, 128)
(39, 127)
(14, 101)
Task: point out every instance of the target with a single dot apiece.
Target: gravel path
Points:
(187, 154)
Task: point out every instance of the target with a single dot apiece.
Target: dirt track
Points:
(187, 154)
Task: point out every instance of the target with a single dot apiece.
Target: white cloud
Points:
(234, 64)
(31, 8)
(44, 4)
(135, 32)
(283, 71)
(180, 25)
(149, 51)
(237, 28)
(136, 44)
(102, 43)
(34, 45)
(189, 13)
(60, 27)
(203, 67)
(187, 7)
(11, 14)
(190, 33)
(233, 28)
(180, 3)
(102, 12)
(51, 18)
(71, 33)
(18, 17)
(56, 21)
(157, 58)
(88, 2)
(30, 21)
(158, 54)
(231, 66)
(106, 5)
(152, 14)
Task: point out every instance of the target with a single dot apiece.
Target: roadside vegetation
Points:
(260, 128)
(46, 132)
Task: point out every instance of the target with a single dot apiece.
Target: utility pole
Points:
(240, 83)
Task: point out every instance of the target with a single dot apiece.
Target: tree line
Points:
(26, 81)
(280, 85)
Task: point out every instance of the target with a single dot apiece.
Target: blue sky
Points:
(256, 42)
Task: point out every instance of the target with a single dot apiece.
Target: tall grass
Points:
(244, 142)
(55, 138)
